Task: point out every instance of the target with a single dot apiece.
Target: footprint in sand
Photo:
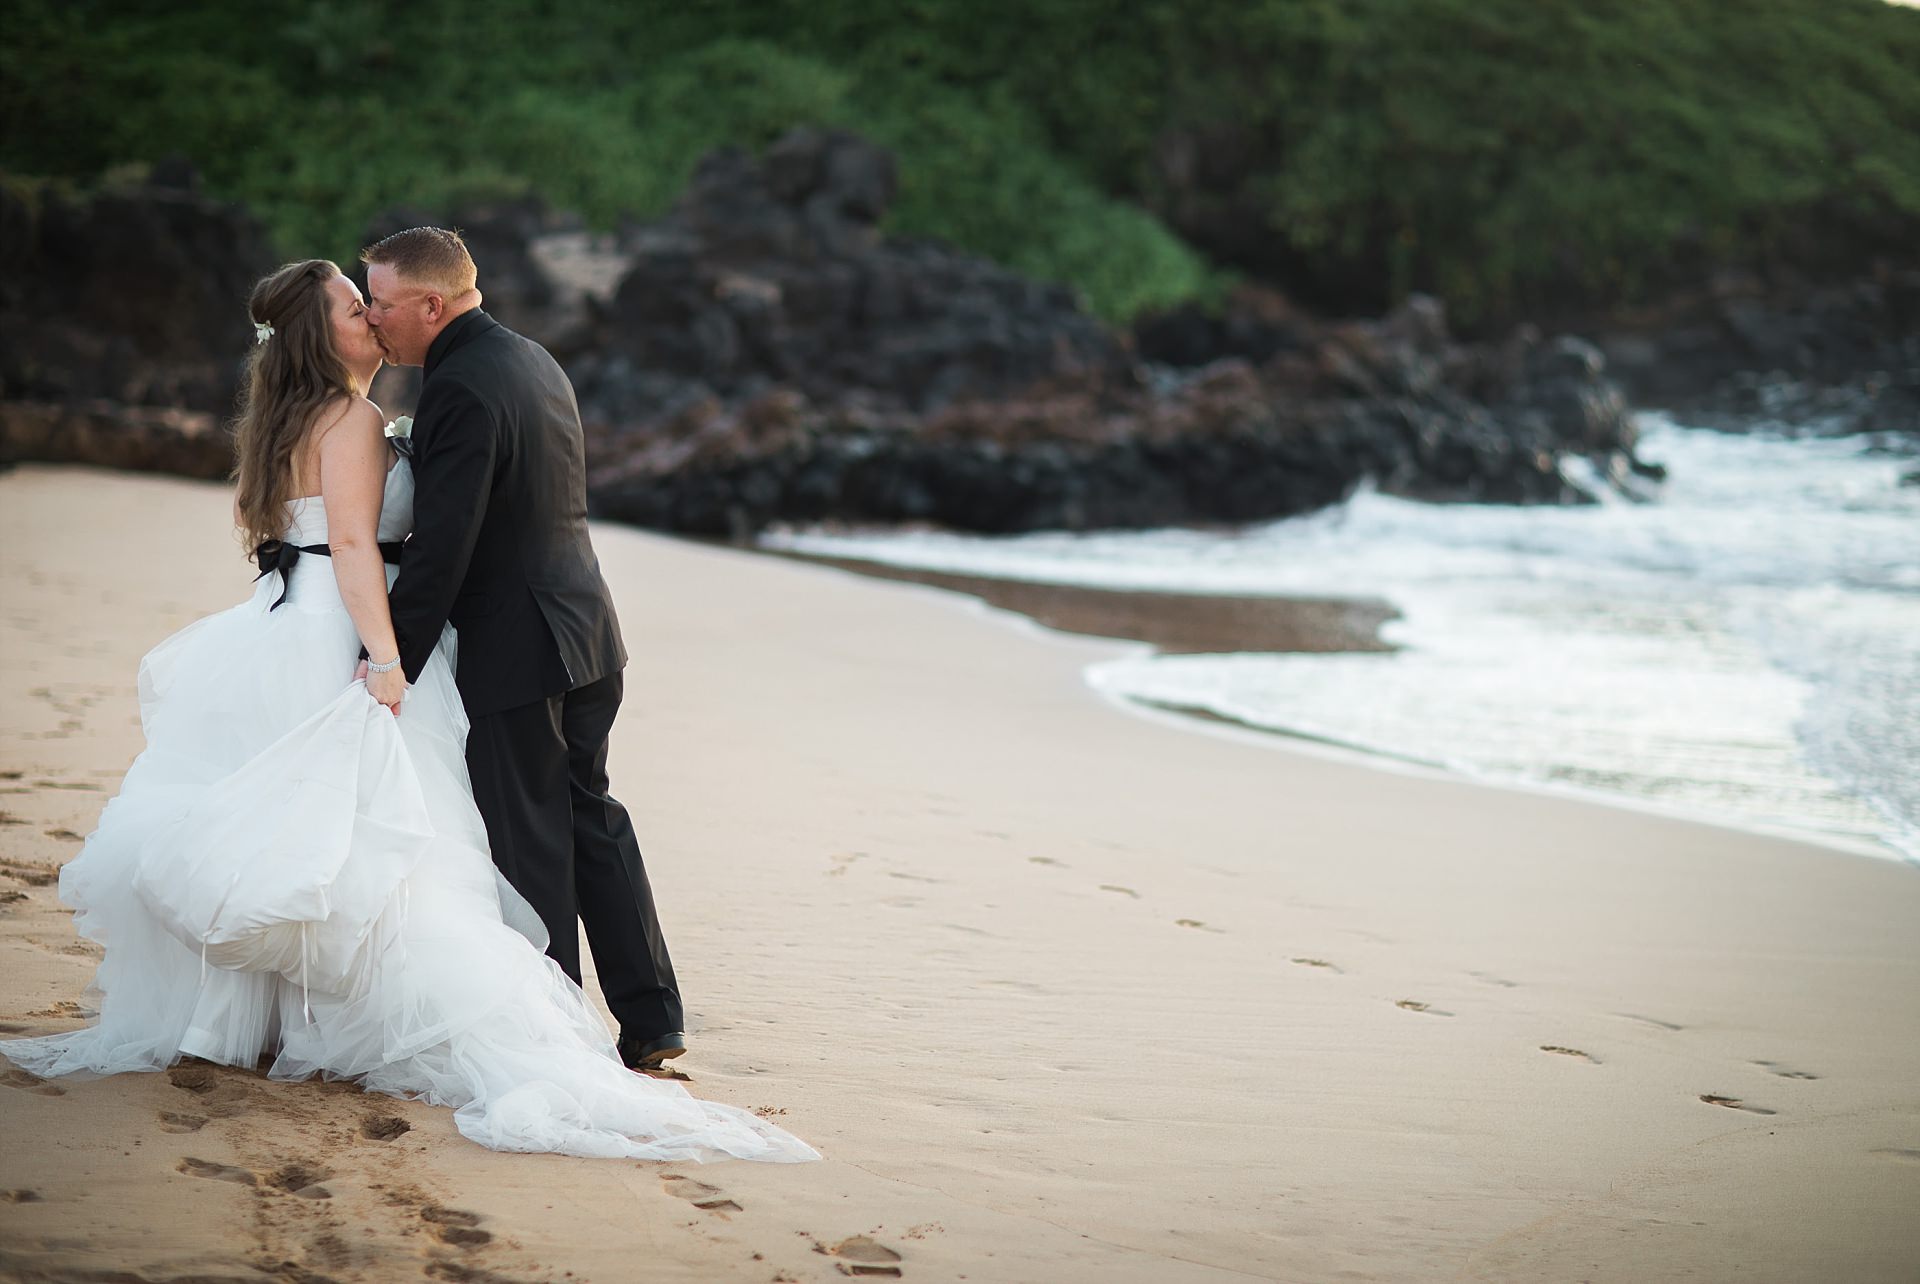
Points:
(1319, 963)
(301, 1179)
(698, 1193)
(21, 1196)
(16, 1078)
(1490, 979)
(862, 1255)
(1656, 1022)
(216, 1172)
(970, 930)
(1124, 891)
(195, 1079)
(327, 1250)
(32, 873)
(1196, 923)
(384, 1127)
(455, 1226)
(1734, 1103)
(174, 1121)
(12, 897)
(1415, 1005)
(1784, 1072)
(1021, 987)
(1570, 1052)
(220, 1096)
(1897, 1154)
(1046, 860)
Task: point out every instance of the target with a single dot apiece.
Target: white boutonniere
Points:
(401, 427)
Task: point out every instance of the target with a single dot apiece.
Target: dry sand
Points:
(1063, 993)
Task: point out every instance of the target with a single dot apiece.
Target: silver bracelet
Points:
(388, 667)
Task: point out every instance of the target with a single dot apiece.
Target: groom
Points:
(500, 550)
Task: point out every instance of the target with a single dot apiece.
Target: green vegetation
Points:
(1507, 154)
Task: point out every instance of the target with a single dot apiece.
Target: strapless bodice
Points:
(307, 516)
(308, 582)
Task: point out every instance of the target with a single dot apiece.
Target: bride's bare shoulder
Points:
(355, 414)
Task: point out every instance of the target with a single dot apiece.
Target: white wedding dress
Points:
(290, 870)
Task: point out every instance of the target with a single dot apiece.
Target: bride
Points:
(294, 867)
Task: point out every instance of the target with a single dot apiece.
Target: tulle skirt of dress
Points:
(290, 870)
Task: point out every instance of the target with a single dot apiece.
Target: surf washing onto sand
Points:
(1740, 647)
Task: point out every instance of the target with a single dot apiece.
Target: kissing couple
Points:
(373, 810)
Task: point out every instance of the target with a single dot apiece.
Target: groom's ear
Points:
(436, 306)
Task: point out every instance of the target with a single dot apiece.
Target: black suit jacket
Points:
(499, 545)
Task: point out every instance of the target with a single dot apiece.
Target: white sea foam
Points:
(1743, 646)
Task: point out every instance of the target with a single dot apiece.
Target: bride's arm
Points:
(353, 480)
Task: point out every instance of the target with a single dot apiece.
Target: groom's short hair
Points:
(431, 256)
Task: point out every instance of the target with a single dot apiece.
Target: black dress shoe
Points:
(645, 1056)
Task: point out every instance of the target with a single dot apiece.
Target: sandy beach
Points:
(1062, 992)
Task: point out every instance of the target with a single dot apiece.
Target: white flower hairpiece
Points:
(262, 331)
(401, 427)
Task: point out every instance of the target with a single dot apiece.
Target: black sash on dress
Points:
(278, 555)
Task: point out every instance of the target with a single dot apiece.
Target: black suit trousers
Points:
(540, 778)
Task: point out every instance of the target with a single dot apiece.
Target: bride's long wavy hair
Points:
(291, 378)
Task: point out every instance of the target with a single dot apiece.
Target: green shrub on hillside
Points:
(318, 118)
(1509, 154)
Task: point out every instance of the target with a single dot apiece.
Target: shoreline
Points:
(1195, 718)
(1171, 623)
(1177, 623)
(1060, 992)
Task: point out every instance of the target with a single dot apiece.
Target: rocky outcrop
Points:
(129, 294)
(764, 353)
(773, 274)
(123, 328)
(1393, 401)
(113, 434)
(1840, 358)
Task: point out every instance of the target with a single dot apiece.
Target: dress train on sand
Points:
(290, 870)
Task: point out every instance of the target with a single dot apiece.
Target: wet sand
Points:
(1172, 623)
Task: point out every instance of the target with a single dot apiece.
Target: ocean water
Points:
(1744, 646)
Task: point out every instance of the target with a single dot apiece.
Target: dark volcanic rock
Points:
(1395, 401)
(112, 434)
(1254, 325)
(1838, 357)
(771, 357)
(123, 326)
(764, 353)
(773, 272)
(132, 294)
